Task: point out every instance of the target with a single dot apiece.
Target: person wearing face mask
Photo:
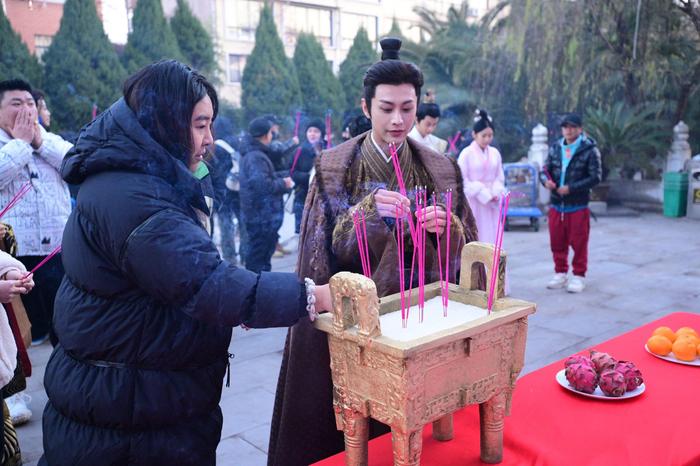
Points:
(312, 147)
(482, 171)
(359, 174)
(145, 313)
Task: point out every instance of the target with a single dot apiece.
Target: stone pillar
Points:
(537, 156)
(680, 149)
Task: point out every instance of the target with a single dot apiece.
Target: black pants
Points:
(39, 303)
(260, 247)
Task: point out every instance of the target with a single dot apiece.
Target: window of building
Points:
(41, 44)
(241, 19)
(317, 21)
(236, 64)
(351, 23)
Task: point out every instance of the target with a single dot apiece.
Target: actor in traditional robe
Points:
(359, 174)
(482, 170)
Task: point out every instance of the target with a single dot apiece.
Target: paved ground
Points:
(641, 268)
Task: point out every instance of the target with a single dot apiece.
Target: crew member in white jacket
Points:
(29, 154)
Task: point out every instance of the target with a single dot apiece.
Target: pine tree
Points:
(151, 38)
(395, 30)
(352, 71)
(15, 60)
(81, 67)
(194, 41)
(320, 89)
(269, 82)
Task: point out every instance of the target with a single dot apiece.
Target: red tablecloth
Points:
(549, 425)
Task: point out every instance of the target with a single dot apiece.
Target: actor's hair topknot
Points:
(391, 70)
(390, 48)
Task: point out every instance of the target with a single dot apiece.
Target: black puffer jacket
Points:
(302, 172)
(583, 172)
(262, 189)
(145, 311)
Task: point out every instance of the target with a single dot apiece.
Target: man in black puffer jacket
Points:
(262, 189)
(572, 168)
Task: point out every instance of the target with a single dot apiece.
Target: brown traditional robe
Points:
(303, 423)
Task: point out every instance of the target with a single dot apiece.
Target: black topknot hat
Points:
(390, 48)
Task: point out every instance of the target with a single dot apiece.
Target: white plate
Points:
(670, 358)
(598, 393)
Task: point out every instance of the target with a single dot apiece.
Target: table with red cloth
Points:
(551, 426)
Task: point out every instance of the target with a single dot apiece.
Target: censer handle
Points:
(355, 302)
(477, 253)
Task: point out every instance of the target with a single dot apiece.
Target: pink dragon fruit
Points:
(602, 361)
(578, 359)
(612, 383)
(632, 375)
(582, 377)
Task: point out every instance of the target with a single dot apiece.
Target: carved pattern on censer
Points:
(409, 384)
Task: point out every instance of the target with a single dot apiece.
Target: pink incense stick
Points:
(297, 119)
(360, 243)
(453, 142)
(447, 250)
(439, 254)
(400, 254)
(329, 131)
(296, 159)
(505, 199)
(366, 243)
(44, 261)
(26, 187)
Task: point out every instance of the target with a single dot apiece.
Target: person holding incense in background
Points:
(482, 172)
(144, 315)
(303, 164)
(30, 159)
(572, 168)
(359, 176)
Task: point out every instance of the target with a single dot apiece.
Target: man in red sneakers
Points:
(572, 168)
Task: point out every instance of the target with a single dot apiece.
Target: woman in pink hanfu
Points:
(482, 172)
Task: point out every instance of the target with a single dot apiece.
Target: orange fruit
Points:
(689, 336)
(660, 345)
(665, 332)
(698, 349)
(684, 330)
(684, 349)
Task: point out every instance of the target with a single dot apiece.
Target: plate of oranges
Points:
(681, 346)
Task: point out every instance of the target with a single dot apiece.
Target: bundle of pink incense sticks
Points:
(296, 159)
(297, 119)
(26, 187)
(402, 267)
(358, 220)
(44, 261)
(503, 212)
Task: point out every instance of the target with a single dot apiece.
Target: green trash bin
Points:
(675, 194)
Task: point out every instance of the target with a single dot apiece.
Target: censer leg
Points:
(442, 428)
(356, 431)
(407, 447)
(491, 415)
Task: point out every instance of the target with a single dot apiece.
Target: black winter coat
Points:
(262, 189)
(582, 173)
(302, 172)
(145, 310)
